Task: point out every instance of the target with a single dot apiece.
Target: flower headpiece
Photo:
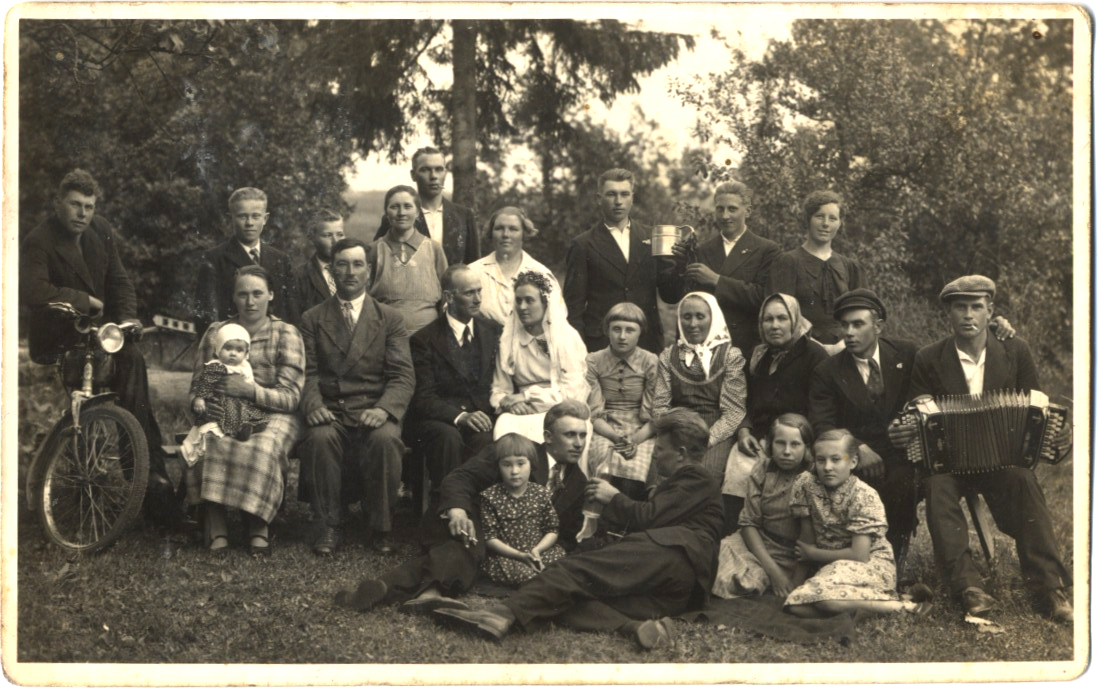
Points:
(537, 279)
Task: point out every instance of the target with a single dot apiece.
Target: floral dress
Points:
(837, 516)
(236, 412)
(520, 522)
(768, 508)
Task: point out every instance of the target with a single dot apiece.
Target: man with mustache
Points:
(358, 383)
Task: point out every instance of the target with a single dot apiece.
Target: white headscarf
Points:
(561, 338)
(718, 333)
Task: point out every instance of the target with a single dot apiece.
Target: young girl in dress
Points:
(761, 554)
(842, 526)
(237, 417)
(520, 523)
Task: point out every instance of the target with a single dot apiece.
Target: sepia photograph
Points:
(546, 343)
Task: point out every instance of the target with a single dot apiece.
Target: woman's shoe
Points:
(260, 549)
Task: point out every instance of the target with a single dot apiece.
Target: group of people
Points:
(616, 481)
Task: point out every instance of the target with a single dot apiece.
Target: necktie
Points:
(254, 253)
(556, 477)
(875, 385)
(467, 336)
(330, 279)
(349, 316)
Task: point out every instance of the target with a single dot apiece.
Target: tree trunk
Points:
(464, 105)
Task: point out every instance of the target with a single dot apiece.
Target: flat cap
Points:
(861, 298)
(968, 286)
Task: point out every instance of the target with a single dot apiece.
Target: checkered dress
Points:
(249, 475)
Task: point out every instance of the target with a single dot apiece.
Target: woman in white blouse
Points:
(541, 360)
(508, 228)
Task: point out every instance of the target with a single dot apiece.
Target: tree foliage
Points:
(532, 76)
(951, 142)
(171, 116)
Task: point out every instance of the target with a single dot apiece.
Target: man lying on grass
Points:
(662, 567)
(451, 566)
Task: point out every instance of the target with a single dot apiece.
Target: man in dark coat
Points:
(970, 362)
(451, 225)
(734, 266)
(451, 566)
(862, 389)
(454, 358)
(662, 567)
(359, 381)
(213, 293)
(73, 258)
(611, 263)
(313, 279)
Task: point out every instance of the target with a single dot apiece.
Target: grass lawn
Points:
(155, 598)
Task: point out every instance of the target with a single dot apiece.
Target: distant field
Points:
(367, 214)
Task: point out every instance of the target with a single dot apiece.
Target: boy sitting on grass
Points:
(661, 567)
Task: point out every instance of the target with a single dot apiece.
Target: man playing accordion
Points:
(971, 362)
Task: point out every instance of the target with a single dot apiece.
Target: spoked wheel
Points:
(93, 484)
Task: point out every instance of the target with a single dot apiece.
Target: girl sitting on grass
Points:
(842, 525)
(761, 554)
(520, 523)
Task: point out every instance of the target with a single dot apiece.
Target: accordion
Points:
(973, 434)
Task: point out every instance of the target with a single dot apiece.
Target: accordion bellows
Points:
(973, 434)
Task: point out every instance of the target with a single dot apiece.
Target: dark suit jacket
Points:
(460, 239)
(461, 489)
(53, 269)
(214, 291)
(349, 374)
(838, 398)
(310, 287)
(597, 277)
(685, 511)
(741, 288)
(786, 390)
(1007, 365)
(442, 390)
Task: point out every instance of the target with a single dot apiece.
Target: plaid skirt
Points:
(247, 475)
(602, 454)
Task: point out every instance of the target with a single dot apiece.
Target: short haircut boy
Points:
(687, 430)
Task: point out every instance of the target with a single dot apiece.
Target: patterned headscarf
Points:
(801, 327)
(718, 333)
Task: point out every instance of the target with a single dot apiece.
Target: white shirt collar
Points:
(863, 364)
(248, 250)
(973, 369)
(356, 304)
(459, 328)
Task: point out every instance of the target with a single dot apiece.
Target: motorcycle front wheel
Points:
(94, 481)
